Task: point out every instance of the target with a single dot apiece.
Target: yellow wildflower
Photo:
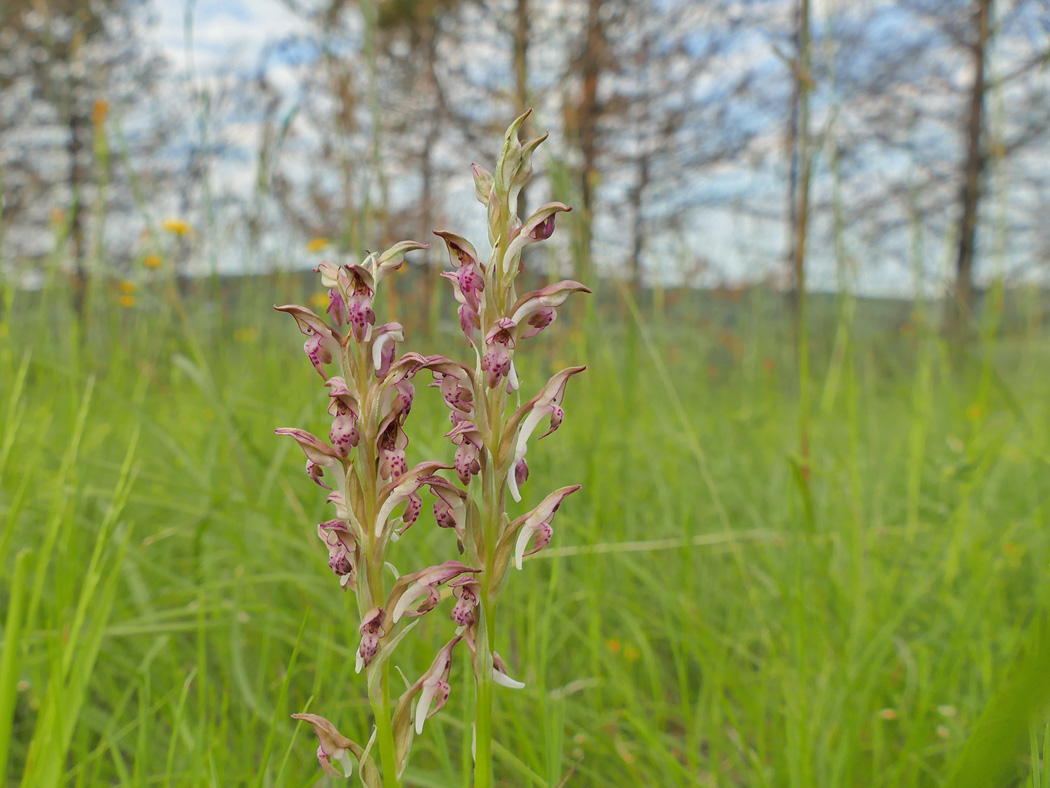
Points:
(99, 112)
(319, 300)
(316, 244)
(613, 645)
(127, 287)
(151, 261)
(179, 227)
(127, 301)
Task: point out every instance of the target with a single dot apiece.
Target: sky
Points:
(234, 35)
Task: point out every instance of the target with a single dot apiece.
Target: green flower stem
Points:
(483, 711)
(385, 732)
(491, 521)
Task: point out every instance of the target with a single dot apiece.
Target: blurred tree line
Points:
(785, 136)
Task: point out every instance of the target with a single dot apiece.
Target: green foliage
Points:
(707, 623)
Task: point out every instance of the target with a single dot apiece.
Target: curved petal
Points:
(538, 228)
(394, 257)
(460, 251)
(316, 450)
(538, 523)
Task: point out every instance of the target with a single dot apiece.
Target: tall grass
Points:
(166, 603)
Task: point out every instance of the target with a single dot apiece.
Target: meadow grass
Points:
(704, 615)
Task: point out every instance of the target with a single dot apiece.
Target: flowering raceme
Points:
(489, 434)
(377, 497)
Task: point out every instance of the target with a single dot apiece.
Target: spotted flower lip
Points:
(409, 589)
(467, 437)
(359, 301)
(334, 746)
(344, 434)
(499, 341)
(342, 397)
(536, 525)
(372, 630)
(391, 443)
(467, 592)
(315, 472)
(343, 550)
(456, 383)
(451, 505)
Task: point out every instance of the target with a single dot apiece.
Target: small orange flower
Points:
(888, 714)
(613, 645)
(316, 244)
(152, 261)
(99, 112)
(178, 227)
(126, 286)
(127, 301)
(319, 300)
(768, 364)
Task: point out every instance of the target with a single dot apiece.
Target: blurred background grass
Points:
(701, 617)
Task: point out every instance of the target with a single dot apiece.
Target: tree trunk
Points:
(973, 169)
(587, 124)
(521, 76)
(427, 219)
(801, 175)
(637, 213)
(78, 124)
